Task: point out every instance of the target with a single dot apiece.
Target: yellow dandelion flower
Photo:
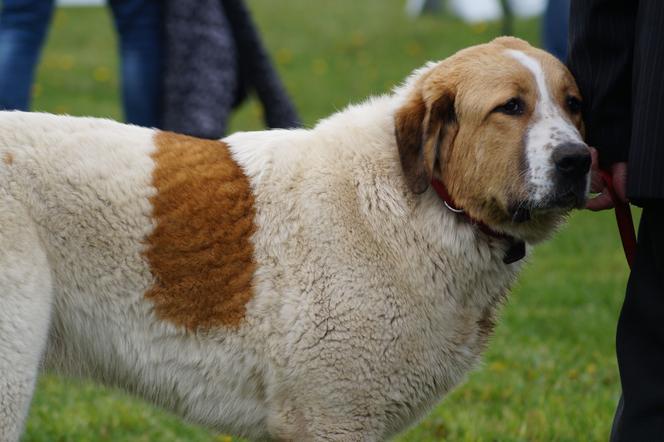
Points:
(101, 74)
(573, 373)
(284, 56)
(61, 109)
(497, 366)
(414, 48)
(319, 66)
(357, 39)
(66, 62)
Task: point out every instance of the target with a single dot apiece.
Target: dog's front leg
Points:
(25, 299)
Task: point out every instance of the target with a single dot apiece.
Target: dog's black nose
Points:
(572, 159)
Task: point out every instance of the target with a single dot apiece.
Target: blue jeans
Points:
(23, 28)
(555, 24)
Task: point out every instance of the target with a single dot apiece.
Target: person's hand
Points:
(603, 201)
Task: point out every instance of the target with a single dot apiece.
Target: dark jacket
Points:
(214, 56)
(617, 57)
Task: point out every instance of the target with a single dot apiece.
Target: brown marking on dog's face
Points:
(8, 158)
(450, 128)
(200, 252)
(421, 129)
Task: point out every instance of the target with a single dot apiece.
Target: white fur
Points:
(86, 184)
(367, 297)
(25, 303)
(374, 270)
(549, 128)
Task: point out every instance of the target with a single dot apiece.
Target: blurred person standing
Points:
(214, 58)
(555, 25)
(617, 57)
(23, 29)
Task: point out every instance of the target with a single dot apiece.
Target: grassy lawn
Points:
(549, 373)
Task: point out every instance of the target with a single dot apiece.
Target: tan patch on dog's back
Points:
(8, 158)
(200, 252)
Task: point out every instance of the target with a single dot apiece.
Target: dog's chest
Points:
(450, 316)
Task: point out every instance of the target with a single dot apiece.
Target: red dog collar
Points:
(517, 248)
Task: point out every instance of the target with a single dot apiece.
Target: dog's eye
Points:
(573, 104)
(515, 106)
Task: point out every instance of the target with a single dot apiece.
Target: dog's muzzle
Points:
(571, 166)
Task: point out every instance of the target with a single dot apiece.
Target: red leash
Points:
(623, 218)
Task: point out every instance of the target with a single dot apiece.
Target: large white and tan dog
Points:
(286, 284)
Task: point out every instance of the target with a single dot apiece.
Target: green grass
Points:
(549, 373)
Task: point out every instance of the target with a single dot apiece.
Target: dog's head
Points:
(500, 125)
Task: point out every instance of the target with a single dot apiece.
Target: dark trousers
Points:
(555, 25)
(640, 338)
(23, 28)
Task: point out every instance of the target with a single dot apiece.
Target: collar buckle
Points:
(516, 249)
(452, 209)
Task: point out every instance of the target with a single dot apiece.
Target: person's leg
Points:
(640, 337)
(555, 23)
(139, 26)
(23, 28)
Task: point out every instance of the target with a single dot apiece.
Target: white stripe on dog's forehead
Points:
(549, 128)
(537, 71)
(546, 107)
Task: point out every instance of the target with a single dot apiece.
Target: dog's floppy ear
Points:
(419, 131)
